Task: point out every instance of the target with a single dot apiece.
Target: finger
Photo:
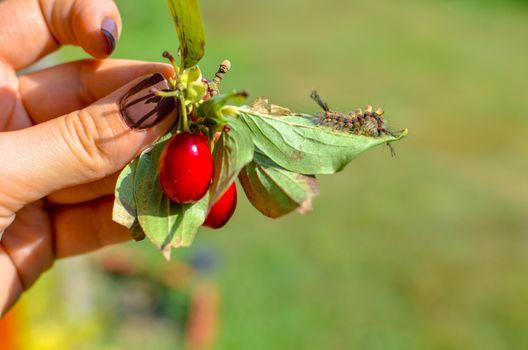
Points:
(86, 227)
(85, 192)
(25, 252)
(10, 282)
(68, 87)
(32, 242)
(83, 146)
(39, 27)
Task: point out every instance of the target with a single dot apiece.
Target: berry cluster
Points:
(186, 169)
(186, 162)
(187, 179)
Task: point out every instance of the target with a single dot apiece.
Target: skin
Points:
(62, 139)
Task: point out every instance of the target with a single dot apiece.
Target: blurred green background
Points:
(428, 250)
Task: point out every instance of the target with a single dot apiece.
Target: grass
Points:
(425, 251)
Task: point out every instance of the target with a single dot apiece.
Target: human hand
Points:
(65, 134)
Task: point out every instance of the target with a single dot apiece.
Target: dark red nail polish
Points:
(141, 108)
(109, 30)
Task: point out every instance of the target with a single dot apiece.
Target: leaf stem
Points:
(183, 109)
(214, 85)
(212, 134)
(172, 61)
(171, 93)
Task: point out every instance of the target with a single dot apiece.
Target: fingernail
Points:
(109, 30)
(141, 108)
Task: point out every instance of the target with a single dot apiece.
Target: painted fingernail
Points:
(141, 108)
(109, 30)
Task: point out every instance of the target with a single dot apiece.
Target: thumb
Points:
(85, 145)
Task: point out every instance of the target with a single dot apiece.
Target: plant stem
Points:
(214, 85)
(183, 109)
(171, 59)
(222, 70)
(172, 93)
(212, 134)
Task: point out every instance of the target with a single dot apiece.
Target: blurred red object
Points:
(202, 326)
(9, 329)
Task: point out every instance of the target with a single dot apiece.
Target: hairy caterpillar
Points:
(367, 123)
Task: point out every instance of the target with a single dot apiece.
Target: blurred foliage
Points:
(425, 251)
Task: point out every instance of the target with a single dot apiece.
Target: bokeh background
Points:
(428, 250)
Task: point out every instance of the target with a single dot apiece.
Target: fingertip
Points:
(166, 70)
(98, 27)
(140, 107)
(110, 34)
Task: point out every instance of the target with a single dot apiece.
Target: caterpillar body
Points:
(360, 122)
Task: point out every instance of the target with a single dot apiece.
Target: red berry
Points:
(223, 209)
(186, 167)
(193, 117)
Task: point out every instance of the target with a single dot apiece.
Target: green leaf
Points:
(125, 210)
(212, 108)
(275, 191)
(194, 92)
(194, 75)
(298, 144)
(167, 224)
(189, 26)
(194, 86)
(231, 153)
(136, 231)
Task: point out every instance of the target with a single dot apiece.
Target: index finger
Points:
(68, 87)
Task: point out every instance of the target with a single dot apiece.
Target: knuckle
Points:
(83, 137)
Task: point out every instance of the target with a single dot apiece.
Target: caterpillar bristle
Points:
(315, 96)
(392, 151)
